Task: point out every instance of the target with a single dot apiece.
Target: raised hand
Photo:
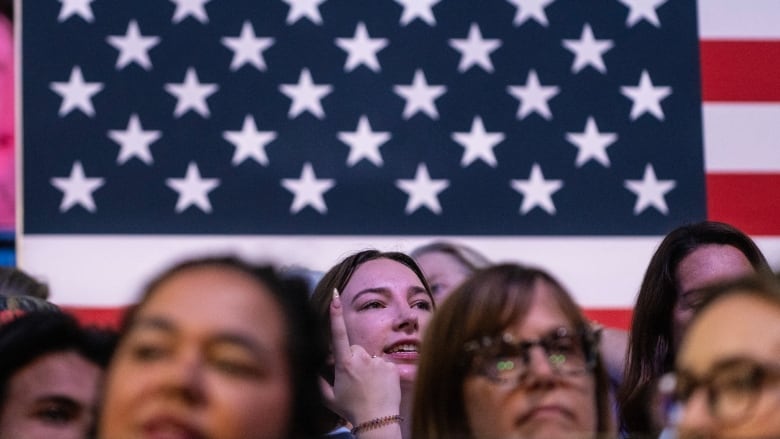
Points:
(365, 386)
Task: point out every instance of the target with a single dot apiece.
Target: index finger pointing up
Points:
(338, 330)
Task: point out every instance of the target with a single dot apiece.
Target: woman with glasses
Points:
(510, 355)
(689, 259)
(727, 382)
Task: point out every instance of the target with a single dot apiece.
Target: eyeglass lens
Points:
(509, 360)
(730, 389)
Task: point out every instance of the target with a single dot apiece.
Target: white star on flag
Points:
(193, 189)
(247, 48)
(537, 192)
(478, 143)
(77, 188)
(308, 190)
(361, 49)
(191, 94)
(646, 97)
(650, 191)
(592, 144)
(588, 51)
(76, 94)
(420, 96)
(364, 143)
(305, 95)
(76, 7)
(642, 10)
(190, 8)
(133, 47)
(474, 50)
(533, 96)
(530, 9)
(422, 9)
(304, 8)
(134, 141)
(422, 191)
(249, 142)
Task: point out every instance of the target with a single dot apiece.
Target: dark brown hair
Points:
(338, 277)
(305, 346)
(484, 305)
(650, 351)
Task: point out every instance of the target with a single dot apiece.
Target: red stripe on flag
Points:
(612, 317)
(102, 317)
(749, 201)
(733, 71)
(111, 317)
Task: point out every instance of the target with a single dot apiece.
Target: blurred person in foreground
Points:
(51, 372)
(727, 379)
(509, 355)
(217, 348)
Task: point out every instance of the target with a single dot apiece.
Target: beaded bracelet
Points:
(376, 423)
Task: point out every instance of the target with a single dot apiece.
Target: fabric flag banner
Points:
(567, 134)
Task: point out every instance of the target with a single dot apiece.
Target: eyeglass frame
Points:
(673, 398)
(588, 337)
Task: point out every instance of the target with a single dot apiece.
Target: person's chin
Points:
(407, 372)
(554, 430)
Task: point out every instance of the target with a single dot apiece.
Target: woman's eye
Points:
(565, 346)
(739, 382)
(237, 368)
(423, 304)
(56, 414)
(147, 352)
(372, 305)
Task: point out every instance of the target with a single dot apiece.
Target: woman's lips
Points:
(165, 427)
(403, 351)
(546, 412)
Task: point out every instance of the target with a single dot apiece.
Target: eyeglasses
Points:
(505, 360)
(731, 389)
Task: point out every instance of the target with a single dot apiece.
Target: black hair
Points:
(650, 347)
(35, 334)
(7, 9)
(15, 282)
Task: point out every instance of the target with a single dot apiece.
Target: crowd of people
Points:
(442, 343)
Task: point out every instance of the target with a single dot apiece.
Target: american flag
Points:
(567, 133)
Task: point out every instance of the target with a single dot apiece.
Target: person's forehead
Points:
(734, 326)
(439, 260)
(58, 373)
(383, 269)
(710, 263)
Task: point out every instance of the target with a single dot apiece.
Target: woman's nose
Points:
(407, 320)
(183, 378)
(539, 363)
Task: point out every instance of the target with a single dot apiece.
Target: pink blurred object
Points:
(7, 182)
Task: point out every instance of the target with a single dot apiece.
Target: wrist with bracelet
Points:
(375, 423)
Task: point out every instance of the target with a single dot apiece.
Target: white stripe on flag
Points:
(601, 272)
(741, 137)
(739, 19)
